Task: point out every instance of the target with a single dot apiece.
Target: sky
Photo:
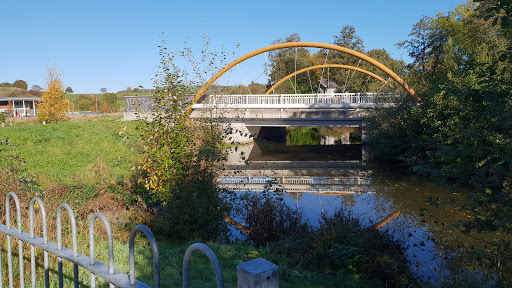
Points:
(114, 44)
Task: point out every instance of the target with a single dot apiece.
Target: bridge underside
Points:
(243, 121)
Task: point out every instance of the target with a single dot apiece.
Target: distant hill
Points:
(13, 92)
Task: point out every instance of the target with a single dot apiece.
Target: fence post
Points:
(257, 273)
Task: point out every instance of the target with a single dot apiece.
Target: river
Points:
(321, 178)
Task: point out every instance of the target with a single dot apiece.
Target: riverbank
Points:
(88, 165)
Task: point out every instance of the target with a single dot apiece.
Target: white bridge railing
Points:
(302, 99)
(295, 184)
(294, 180)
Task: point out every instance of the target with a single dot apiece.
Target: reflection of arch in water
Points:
(325, 66)
(356, 54)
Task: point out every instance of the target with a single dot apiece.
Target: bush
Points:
(178, 165)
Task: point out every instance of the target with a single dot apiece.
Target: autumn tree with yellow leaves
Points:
(53, 107)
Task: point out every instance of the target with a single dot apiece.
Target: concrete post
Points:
(24, 109)
(257, 273)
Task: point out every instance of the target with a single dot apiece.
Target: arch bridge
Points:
(283, 110)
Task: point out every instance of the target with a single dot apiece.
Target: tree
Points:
(105, 107)
(348, 39)
(5, 84)
(111, 100)
(53, 107)
(36, 88)
(179, 160)
(85, 102)
(129, 90)
(283, 62)
(20, 84)
(69, 90)
(103, 90)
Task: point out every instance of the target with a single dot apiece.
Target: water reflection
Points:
(321, 179)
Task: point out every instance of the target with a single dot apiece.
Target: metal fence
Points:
(305, 99)
(107, 272)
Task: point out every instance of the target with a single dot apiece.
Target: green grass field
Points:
(64, 152)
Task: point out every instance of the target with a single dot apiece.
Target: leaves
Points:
(53, 107)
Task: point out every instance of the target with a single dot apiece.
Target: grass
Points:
(171, 266)
(64, 152)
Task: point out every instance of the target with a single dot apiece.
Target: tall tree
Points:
(53, 107)
(283, 62)
(347, 80)
(69, 90)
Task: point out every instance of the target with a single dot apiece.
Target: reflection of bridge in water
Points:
(320, 177)
(298, 184)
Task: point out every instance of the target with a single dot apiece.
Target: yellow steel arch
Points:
(361, 56)
(325, 66)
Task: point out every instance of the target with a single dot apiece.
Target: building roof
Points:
(38, 99)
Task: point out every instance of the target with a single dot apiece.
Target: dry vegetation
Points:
(14, 92)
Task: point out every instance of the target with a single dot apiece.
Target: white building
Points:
(19, 106)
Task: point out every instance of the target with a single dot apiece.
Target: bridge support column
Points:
(237, 133)
(365, 139)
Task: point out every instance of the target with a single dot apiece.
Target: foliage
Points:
(22, 84)
(36, 88)
(283, 62)
(338, 246)
(460, 49)
(500, 11)
(111, 102)
(178, 161)
(103, 90)
(105, 107)
(53, 107)
(12, 92)
(462, 130)
(302, 136)
(69, 90)
(85, 102)
(299, 136)
(286, 61)
(268, 218)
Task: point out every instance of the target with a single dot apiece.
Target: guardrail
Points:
(144, 104)
(301, 99)
(96, 268)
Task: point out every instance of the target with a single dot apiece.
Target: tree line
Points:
(283, 62)
(21, 89)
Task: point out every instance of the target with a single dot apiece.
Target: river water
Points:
(321, 178)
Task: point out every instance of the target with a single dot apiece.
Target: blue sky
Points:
(114, 44)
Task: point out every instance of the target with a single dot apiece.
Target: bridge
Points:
(242, 112)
